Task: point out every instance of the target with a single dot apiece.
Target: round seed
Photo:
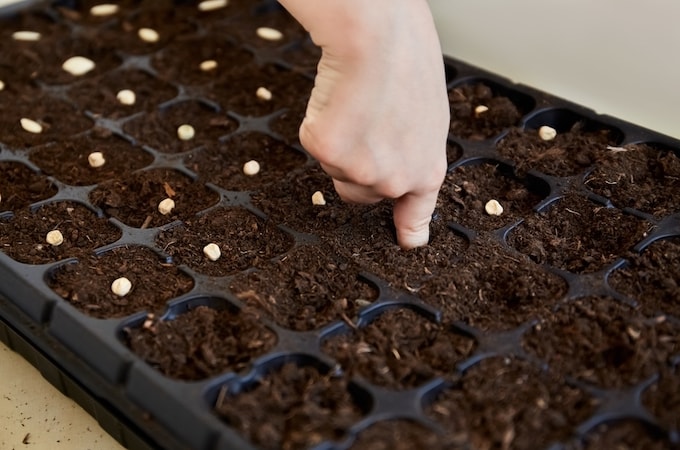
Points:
(211, 5)
(481, 109)
(547, 133)
(105, 9)
(208, 65)
(31, 126)
(96, 159)
(54, 238)
(263, 93)
(269, 34)
(166, 206)
(493, 208)
(212, 252)
(148, 35)
(318, 199)
(29, 36)
(185, 132)
(78, 65)
(121, 286)
(126, 97)
(251, 168)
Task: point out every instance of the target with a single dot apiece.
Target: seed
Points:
(31, 126)
(78, 65)
(148, 35)
(29, 36)
(547, 133)
(126, 97)
(318, 199)
(263, 93)
(493, 208)
(54, 238)
(269, 34)
(251, 168)
(208, 65)
(212, 252)
(96, 159)
(2, 85)
(166, 206)
(105, 9)
(481, 109)
(185, 132)
(211, 5)
(121, 286)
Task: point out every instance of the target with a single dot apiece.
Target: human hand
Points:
(378, 116)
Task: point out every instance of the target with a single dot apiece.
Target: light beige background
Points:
(619, 57)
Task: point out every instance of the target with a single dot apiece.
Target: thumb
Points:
(412, 216)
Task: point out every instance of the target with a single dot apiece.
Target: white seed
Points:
(185, 132)
(212, 252)
(263, 93)
(31, 126)
(54, 238)
(96, 159)
(2, 85)
(480, 109)
(318, 199)
(166, 206)
(251, 168)
(78, 65)
(105, 9)
(121, 286)
(547, 133)
(211, 5)
(493, 208)
(30, 36)
(148, 35)
(126, 97)
(208, 65)
(269, 34)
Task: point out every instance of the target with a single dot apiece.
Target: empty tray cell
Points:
(32, 236)
(407, 435)
(652, 278)
(505, 403)
(138, 200)
(400, 349)
(639, 176)
(20, 186)
(201, 343)
(485, 197)
(482, 109)
(453, 152)
(577, 144)
(68, 159)
(286, 123)
(293, 407)
(244, 240)
(621, 434)
(100, 95)
(159, 129)
(295, 297)
(492, 288)
(87, 283)
(224, 164)
(662, 398)
(577, 235)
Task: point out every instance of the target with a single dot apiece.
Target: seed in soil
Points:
(126, 97)
(25, 35)
(208, 65)
(186, 132)
(148, 35)
(54, 238)
(31, 126)
(481, 109)
(318, 199)
(263, 93)
(121, 286)
(166, 206)
(211, 5)
(96, 159)
(493, 208)
(212, 251)
(547, 133)
(251, 168)
(78, 65)
(105, 9)
(269, 34)
(2, 85)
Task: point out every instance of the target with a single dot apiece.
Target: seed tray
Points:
(553, 325)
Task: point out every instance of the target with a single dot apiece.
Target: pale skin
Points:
(378, 116)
